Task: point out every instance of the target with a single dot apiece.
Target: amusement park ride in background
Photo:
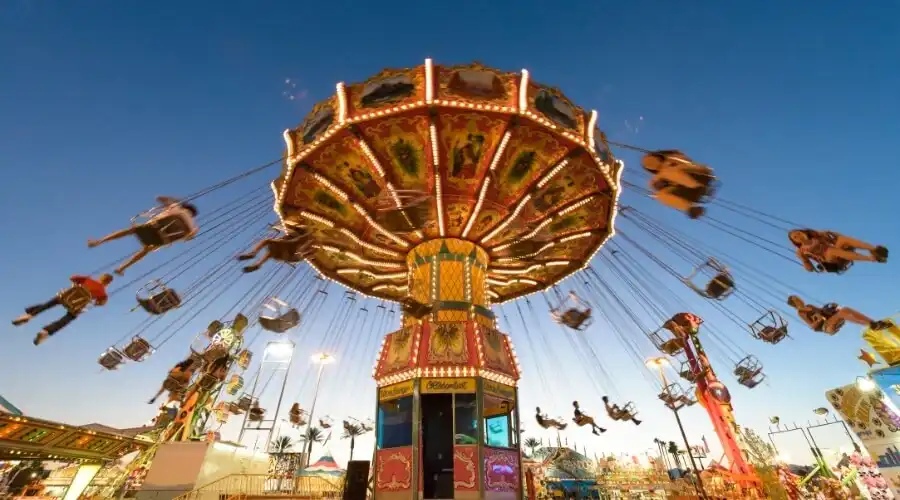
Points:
(451, 190)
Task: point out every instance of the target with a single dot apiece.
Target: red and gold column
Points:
(456, 349)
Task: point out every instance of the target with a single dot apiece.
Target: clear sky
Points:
(104, 105)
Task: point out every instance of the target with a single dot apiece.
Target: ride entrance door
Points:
(437, 446)
(443, 401)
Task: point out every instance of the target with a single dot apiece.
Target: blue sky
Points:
(107, 105)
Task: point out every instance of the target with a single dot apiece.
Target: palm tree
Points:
(311, 436)
(279, 447)
(351, 431)
(531, 443)
(673, 450)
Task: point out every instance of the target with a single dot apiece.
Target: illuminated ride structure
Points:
(683, 339)
(448, 189)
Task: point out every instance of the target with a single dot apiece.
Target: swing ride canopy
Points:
(502, 161)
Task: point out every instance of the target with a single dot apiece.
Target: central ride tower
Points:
(447, 396)
(446, 189)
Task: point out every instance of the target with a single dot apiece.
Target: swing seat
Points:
(75, 299)
(160, 300)
(244, 402)
(233, 408)
(840, 266)
(281, 323)
(720, 287)
(235, 384)
(325, 423)
(770, 328)
(752, 382)
(244, 358)
(138, 349)
(773, 335)
(573, 318)
(368, 425)
(671, 346)
(297, 419)
(111, 359)
(415, 309)
(161, 231)
(291, 249)
(674, 397)
(749, 372)
(572, 312)
(256, 414)
(688, 374)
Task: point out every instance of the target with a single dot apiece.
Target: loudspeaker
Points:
(356, 482)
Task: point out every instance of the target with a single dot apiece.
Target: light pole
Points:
(659, 364)
(277, 357)
(320, 359)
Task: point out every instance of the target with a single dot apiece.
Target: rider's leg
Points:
(140, 254)
(110, 237)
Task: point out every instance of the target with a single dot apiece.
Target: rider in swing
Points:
(177, 380)
(96, 289)
(546, 422)
(174, 213)
(291, 247)
(830, 252)
(829, 318)
(581, 419)
(678, 182)
(616, 412)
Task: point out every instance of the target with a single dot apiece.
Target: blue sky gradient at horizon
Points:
(107, 106)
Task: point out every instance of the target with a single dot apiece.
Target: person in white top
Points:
(173, 221)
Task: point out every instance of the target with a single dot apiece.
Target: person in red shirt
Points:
(95, 288)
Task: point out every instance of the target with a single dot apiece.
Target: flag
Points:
(705, 445)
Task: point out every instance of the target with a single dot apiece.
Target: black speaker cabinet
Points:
(357, 480)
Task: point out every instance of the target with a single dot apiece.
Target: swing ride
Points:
(451, 191)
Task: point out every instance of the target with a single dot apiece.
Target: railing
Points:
(240, 486)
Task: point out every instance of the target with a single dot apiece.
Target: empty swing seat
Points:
(281, 323)
(256, 414)
(111, 359)
(244, 402)
(770, 328)
(721, 286)
(75, 298)
(162, 231)
(138, 349)
(161, 302)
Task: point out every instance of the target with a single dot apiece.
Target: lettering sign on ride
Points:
(447, 385)
(395, 391)
(499, 390)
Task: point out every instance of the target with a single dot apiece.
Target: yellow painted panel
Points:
(447, 385)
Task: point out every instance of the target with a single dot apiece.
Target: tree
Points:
(762, 455)
(673, 450)
(532, 444)
(351, 432)
(311, 436)
(759, 451)
(281, 445)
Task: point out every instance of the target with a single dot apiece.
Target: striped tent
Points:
(325, 466)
